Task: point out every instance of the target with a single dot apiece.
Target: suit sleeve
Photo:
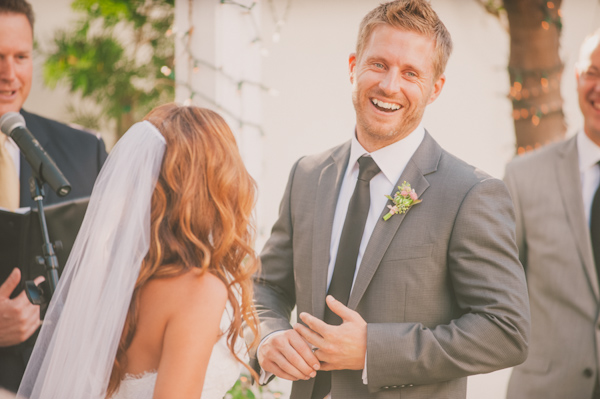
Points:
(511, 182)
(492, 329)
(274, 290)
(101, 154)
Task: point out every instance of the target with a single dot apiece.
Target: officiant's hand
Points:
(287, 355)
(19, 319)
(342, 347)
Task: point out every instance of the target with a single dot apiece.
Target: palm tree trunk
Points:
(535, 71)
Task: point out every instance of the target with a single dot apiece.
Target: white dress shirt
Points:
(392, 161)
(589, 155)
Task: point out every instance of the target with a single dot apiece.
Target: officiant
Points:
(400, 258)
(77, 153)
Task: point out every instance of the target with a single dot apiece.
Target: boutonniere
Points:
(404, 198)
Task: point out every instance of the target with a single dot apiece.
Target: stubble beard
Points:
(378, 134)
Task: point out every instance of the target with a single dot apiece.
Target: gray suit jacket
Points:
(555, 248)
(441, 287)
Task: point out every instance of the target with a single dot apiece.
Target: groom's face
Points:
(393, 80)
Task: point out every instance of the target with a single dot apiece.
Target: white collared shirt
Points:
(392, 160)
(589, 155)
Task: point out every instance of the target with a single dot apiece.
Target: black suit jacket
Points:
(80, 156)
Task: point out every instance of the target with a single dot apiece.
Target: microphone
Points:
(13, 125)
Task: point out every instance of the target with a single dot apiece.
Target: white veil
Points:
(76, 347)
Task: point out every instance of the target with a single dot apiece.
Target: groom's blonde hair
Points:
(413, 16)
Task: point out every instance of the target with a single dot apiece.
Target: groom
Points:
(422, 299)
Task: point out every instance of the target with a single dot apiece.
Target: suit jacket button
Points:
(588, 372)
(410, 385)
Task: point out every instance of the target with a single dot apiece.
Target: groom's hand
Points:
(342, 347)
(287, 355)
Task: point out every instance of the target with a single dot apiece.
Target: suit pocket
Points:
(404, 253)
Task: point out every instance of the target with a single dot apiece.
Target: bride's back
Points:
(178, 317)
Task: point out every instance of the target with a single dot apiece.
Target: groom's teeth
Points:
(385, 105)
(596, 105)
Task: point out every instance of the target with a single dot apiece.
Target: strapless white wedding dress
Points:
(223, 371)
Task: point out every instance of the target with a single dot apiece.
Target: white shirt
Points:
(392, 161)
(589, 155)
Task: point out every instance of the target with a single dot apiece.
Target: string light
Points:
(241, 122)
(279, 21)
(235, 3)
(548, 10)
(197, 63)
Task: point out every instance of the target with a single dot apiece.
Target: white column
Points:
(218, 58)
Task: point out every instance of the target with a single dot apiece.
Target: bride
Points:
(152, 298)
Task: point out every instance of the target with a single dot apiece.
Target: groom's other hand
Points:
(287, 355)
(342, 347)
(18, 317)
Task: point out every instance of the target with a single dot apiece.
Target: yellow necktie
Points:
(9, 180)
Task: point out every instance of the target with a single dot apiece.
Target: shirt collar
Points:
(589, 152)
(391, 159)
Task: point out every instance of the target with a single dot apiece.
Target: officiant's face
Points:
(588, 88)
(393, 80)
(16, 64)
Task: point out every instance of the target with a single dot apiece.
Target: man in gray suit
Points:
(553, 190)
(425, 298)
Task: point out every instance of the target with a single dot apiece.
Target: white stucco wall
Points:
(314, 110)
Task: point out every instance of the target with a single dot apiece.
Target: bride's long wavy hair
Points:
(201, 217)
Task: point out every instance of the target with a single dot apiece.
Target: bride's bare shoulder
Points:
(189, 290)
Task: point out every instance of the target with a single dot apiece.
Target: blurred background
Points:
(278, 71)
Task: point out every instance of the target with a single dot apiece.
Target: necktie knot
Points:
(367, 168)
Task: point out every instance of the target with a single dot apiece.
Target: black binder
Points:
(21, 238)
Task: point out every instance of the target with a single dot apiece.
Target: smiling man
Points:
(556, 196)
(411, 304)
(78, 154)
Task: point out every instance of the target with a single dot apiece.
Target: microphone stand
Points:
(42, 293)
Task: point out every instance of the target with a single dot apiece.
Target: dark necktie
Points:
(595, 229)
(345, 262)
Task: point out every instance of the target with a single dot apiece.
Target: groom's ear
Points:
(352, 66)
(437, 88)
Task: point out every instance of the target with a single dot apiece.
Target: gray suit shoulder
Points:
(460, 175)
(546, 155)
(313, 161)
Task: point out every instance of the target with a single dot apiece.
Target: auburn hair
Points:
(201, 217)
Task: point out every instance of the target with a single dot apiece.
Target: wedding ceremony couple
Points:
(400, 258)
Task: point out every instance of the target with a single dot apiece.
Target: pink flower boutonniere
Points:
(403, 200)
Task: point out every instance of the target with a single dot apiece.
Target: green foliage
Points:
(244, 390)
(113, 56)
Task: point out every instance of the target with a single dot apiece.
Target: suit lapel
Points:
(328, 189)
(568, 175)
(423, 162)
